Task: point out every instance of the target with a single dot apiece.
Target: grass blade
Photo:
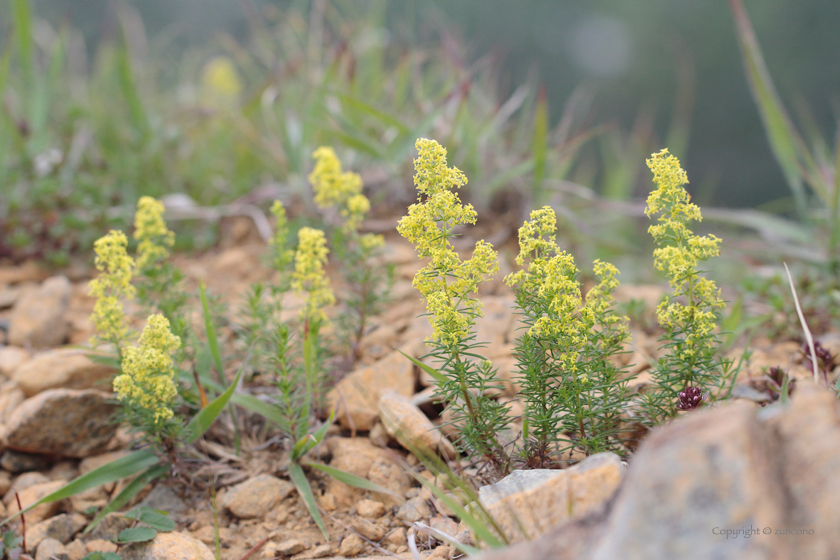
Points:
(438, 376)
(207, 415)
(784, 140)
(112, 472)
(127, 493)
(352, 480)
(805, 328)
(305, 491)
(210, 330)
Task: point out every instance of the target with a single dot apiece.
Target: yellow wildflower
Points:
(111, 286)
(309, 275)
(147, 381)
(342, 189)
(447, 281)
(680, 251)
(221, 80)
(150, 231)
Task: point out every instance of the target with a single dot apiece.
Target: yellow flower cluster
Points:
(446, 281)
(153, 237)
(679, 253)
(147, 381)
(221, 80)
(550, 279)
(309, 275)
(110, 287)
(334, 187)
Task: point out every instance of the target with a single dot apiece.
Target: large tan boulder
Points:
(730, 482)
(38, 318)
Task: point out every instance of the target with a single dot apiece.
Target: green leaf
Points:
(480, 528)
(136, 534)
(305, 491)
(437, 375)
(113, 471)
(127, 493)
(152, 518)
(207, 415)
(784, 140)
(262, 408)
(352, 480)
(307, 442)
(102, 556)
(212, 339)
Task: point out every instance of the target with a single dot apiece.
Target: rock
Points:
(5, 482)
(711, 483)
(289, 547)
(30, 271)
(99, 545)
(415, 509)
(164, 498)
(32, 494)
(51, 423)
(445, 525)
(76, 550)
(256, 496)
(16, 462)
(109, 527)
(360, 457)
(49, 549)
(368, 529)
(168, 546)
(11, 357)
(540, 499)
(370, 509)
(60, 527)
(409, 425)
(63, 470)
(352, 545)
(37, 319)
(67, 368)
(360, 391)
(396, 537)
(10, 398)
(320, 551)
(23, 482)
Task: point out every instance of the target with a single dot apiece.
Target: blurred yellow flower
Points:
(221, 80)
(334, 187)
(111, 286)
(309, 275)
(153, 237)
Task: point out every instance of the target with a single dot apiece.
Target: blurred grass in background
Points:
(225, 103)
(83, 136)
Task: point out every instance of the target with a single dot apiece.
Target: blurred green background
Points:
(632, 57)
(537, 102)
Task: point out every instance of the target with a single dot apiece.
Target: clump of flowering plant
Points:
(340, 192)
(159, 284)
(449, 285)
(688, 315)
(568, 377)
(146, 387)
